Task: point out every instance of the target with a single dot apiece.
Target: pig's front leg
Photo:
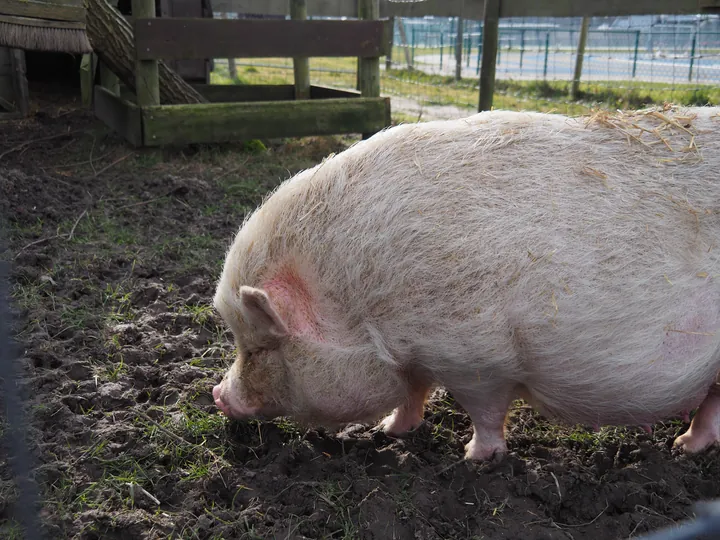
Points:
(705, 426)
(487, 407)
(408, 416)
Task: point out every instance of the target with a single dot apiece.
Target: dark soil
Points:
(115, 254)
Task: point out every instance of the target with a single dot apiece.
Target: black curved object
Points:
(20, 456)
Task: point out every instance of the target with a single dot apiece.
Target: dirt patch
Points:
(115, 256)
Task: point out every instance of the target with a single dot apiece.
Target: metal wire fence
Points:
(622, 67)
(667, 54)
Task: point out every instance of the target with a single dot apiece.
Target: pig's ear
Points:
(257, 309)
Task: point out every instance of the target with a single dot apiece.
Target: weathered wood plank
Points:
(248, 93)
(41, 23)
(440, 8)
(369, 68)
(301, 64)
(118, 114)
(326, 92)
(22, 93)
(222, 122)
(489, 54)
(147, 76)
(240, 93)
(474, 9)
(7, 93)
(579, 56)
(178, 38)
(55, 11)
(328, 8)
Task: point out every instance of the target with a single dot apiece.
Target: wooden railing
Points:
(236, 112)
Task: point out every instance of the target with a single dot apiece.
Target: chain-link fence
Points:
(665, 54)
(624, 65)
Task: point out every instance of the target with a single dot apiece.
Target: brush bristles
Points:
(35, 38)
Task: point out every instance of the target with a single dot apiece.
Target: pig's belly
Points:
(636, 381)
(620, 404)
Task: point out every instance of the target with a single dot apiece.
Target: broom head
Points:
(43, 35)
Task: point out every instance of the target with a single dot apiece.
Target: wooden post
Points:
(369, 68)
(404, 42)
(458, 49)
(88, 65)
(20, 84)
(301, 66)
(388, 58)
(232, 67)
(147, 80)
(108, 79)
(579, 58)
(491, 21)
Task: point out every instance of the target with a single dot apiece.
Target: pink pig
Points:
(570, 262)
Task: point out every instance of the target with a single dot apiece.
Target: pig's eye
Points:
(250, 353)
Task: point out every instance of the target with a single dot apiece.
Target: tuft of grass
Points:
(11, 530)
(335, 496)
(117, 301)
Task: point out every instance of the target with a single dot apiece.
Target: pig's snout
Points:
(229, 406)
(218, 400)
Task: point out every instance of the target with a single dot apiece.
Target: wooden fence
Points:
(489, 11)
(237, 112)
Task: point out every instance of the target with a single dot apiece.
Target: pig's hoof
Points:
(399, 423)
(692, 442)
(484, 452)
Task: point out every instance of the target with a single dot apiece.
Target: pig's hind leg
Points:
(408, 416)
(705, 426)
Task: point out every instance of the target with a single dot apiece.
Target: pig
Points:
(569, 262)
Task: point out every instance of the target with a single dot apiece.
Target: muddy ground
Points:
(115, 254)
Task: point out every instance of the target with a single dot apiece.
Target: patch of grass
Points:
(201, 313)
(117, 303)
(75, 316)
(29, 295)
(335, 496)
(11, 530)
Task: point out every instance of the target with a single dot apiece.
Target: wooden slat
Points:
(54, 11)
(147, 78)
(7, 93)
(327, 8)
(240, 93)
(491, 21)
(327, 92)
(247, 93)
(120, 115)
(467, 9)
(42, 23)
(301, 65)
(473, 9)
(177, 38)
(222, 122)
(22, 93)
